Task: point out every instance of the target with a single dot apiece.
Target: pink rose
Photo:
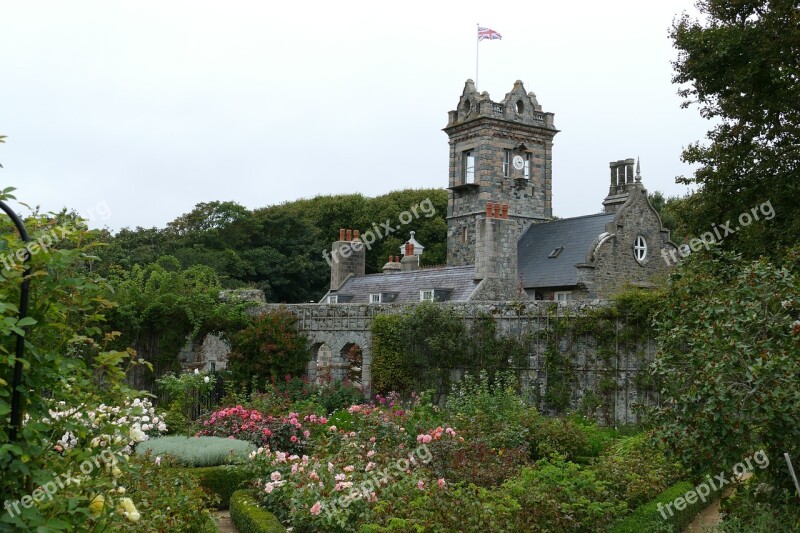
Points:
(315, 509)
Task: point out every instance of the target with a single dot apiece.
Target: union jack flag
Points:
(487, 33)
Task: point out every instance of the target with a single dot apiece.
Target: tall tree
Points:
(740, 65)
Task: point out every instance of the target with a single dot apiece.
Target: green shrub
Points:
(457, 507)
(559, 496)
(636, 470)
(728, 362)
(197, 451)
(221, 481)
(757, 508)
(649, 518)
(269, 347)
(167, 499)
(598, 437)
(248, 517)
(474, 461)
(557, 435)
(491, 410)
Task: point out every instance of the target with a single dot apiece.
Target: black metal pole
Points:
(16, 408)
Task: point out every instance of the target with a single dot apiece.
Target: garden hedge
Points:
(220, 480)
(248, 517)
(648, 517)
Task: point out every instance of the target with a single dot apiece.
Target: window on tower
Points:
(527, 169)
(506, 163)
(469, 167)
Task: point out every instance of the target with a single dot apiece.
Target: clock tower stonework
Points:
(501, 155)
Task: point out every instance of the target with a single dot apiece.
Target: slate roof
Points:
(535, 245)
(460, 280)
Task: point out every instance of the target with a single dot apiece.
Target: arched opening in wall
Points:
(354, 359)
(324, 360)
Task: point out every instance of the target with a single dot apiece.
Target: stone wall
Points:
(337, 327)
(615, 264)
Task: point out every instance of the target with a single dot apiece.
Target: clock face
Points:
(518, 162)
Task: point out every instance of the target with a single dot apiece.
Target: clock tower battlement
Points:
(500, 152)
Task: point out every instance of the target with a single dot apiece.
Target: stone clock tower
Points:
(500, 152)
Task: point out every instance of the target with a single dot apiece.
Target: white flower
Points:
(137, 435)
(158, 461)
(206, 379)
(196, 371)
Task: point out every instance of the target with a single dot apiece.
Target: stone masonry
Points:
(485, 130)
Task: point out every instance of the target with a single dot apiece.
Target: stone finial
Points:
(638, 171)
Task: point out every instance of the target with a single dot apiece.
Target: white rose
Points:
(206, 379)
(137, 435)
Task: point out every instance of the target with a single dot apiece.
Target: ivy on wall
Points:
(421, 348)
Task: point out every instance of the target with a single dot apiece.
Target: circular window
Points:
(640, 248)
(520, 107)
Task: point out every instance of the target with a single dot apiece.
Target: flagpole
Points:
(477, 50)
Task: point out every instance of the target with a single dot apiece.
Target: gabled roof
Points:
(575, 235)
(459, 280)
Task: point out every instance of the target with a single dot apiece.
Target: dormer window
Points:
(333, 299)
(426, 295)
(375, 298)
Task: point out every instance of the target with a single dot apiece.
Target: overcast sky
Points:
(140, 110)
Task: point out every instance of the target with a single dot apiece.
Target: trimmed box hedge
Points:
(648, 517)
(222, 480)
(248, 517)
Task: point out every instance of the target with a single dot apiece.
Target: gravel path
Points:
(224, 523)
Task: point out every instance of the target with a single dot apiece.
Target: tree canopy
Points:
(740, 66)
(279, 249)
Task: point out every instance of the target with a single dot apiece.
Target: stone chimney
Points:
(347, 257)
(392, 266)
(496, 254)
(410, 261)
(623, 181)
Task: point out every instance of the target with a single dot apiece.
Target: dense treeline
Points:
(279, 249)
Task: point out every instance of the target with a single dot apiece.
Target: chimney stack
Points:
(392, 266)
(624, 180)
(347, 257)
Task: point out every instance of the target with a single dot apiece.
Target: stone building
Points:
(507, 255)
(502, 240)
